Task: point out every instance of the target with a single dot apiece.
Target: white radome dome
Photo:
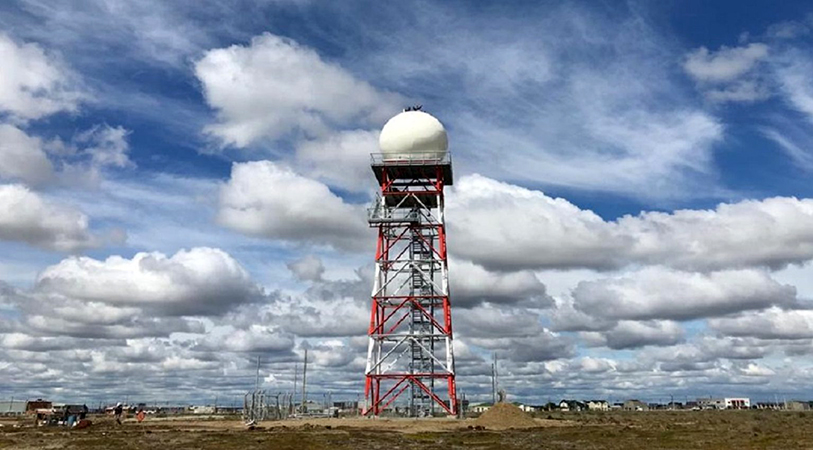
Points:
(413, 135)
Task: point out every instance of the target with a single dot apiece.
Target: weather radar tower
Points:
(410, 336)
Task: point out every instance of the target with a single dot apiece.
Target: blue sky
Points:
(653, 159)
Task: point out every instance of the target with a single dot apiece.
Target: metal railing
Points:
(411, 159)
(381, 213)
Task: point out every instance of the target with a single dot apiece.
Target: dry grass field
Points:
(615, 430)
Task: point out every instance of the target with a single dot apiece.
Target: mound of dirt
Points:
(505, 415)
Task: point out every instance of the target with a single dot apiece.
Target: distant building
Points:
(480, 408)
(346, 405)
(795, 405)
(598, 405)
(202, 409)
(32, 406)
(635, 405)
(530, 408)
(572, 405)
(738, 403)
(724, 403)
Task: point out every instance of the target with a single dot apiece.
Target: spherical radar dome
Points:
(413, 135)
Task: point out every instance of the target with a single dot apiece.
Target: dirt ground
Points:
(613, 430)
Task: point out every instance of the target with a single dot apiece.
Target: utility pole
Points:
(304, 380)
(257, 383)
(495, 384)
(293, 394)
(494, 380)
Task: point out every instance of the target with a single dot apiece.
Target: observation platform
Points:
(413, 166)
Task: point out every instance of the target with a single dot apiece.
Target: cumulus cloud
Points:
(472, 285)
(199, 281)
(22, 157)
(628, 334)
(545, 232)
(34, 84)
(341, 159)
(27, 217)
(268, 200)
(310, 316)
(78, 162)
(126, 328)
(21, 341)
(493, 321)
(773, 323)
(275, 86)
(659, 293)
(256, 338)
(704, 351)
(307, 268)
(544, 346)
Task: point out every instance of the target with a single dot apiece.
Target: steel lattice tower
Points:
(410, 334)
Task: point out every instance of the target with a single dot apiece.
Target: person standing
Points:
(118, 411)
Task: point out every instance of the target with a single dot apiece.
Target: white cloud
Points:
(726, 64)
(341, 159)
(34, 84)
(106, 146)
(543, 346)
(493, 321)
(199, 281)
(729, 74)
(22, 157)
(79, 162)
(792, 69)
(256, 338)
(755, 370)
(563, 106)
(472, 285)
(631, 334)
(131, 327)
(267, 200)
(307, 268)
(773, 323)
(275, 86)
(26, 217)
(659, 293)
(22, 341)
(790, 29)
(503, 226)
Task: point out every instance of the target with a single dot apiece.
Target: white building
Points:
(724, 403)
(481, 408)
(737, 403)
(598, 405)
(197, 409)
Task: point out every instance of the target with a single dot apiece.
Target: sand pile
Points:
(505, 415)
